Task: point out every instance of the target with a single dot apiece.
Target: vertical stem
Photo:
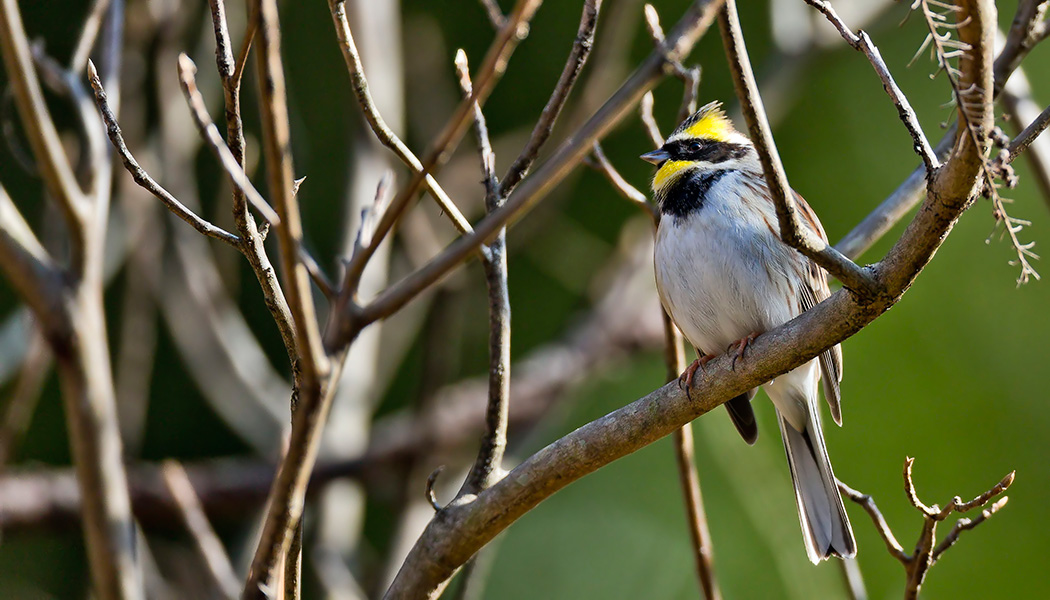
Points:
(687, 473)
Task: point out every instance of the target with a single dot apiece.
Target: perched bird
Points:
(725, 277)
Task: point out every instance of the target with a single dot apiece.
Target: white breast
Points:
(721, 273)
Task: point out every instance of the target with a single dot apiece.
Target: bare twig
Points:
(88, 34)
(541, 132)
(252, 240)
(313, 367)
(1024, 139)
(628, 191)
(645, 109)
(212, 553)
(792, 231)
(142, 178)
(883, 528)
(379, 127)
(917, 565)
(910, 193)
(230, 163)
(24, 396)
(277, 150)
(487, 467)
(862, 42)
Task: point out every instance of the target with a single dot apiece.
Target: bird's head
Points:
(705, 141)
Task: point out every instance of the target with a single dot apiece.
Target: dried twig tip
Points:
(652, 23)
(91, 72)
(186, 65)
(431, 497)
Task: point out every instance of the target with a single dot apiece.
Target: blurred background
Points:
(954, 375)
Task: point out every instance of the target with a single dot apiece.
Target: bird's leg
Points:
(741, 346)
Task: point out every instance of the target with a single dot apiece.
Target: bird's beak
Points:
(656, 156)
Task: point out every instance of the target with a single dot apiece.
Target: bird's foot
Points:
(741, 346)
(685, 380)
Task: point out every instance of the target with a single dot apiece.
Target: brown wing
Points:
(813, 291)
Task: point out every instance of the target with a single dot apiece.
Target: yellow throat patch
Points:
(669, 171)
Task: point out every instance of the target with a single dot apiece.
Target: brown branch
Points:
(209, 546)
(917, 565)
(88, 34)
(792, 231)
(674, 359)
(314, 371)
(142, 178)
(379, 127)
(231, 156)
(30, 268)
(910, 193)
(881, 526)
(541, 132)
(574, 150)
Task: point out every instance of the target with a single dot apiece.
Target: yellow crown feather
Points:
(710, 122)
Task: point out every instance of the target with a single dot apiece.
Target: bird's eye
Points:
(695, 146)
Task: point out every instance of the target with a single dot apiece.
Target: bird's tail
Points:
(825, 525)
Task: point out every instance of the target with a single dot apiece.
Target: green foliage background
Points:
(955, 375)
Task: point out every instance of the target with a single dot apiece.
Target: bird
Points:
(724, 277)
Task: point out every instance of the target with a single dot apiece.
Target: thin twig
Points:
(792, 231)
(230, 163)
(88, 34)
(1024, 139)
(862, 42)
(252, 240)
(382, 131)
(142, 178)
(541, 132)
(628, 191)
(213, 555)
(313, 368)
(24, 396)
(645, 110)
(487, 468)
(881, 526)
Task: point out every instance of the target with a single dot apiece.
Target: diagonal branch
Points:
(792, 231)
(382, 131)
(142, 178)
